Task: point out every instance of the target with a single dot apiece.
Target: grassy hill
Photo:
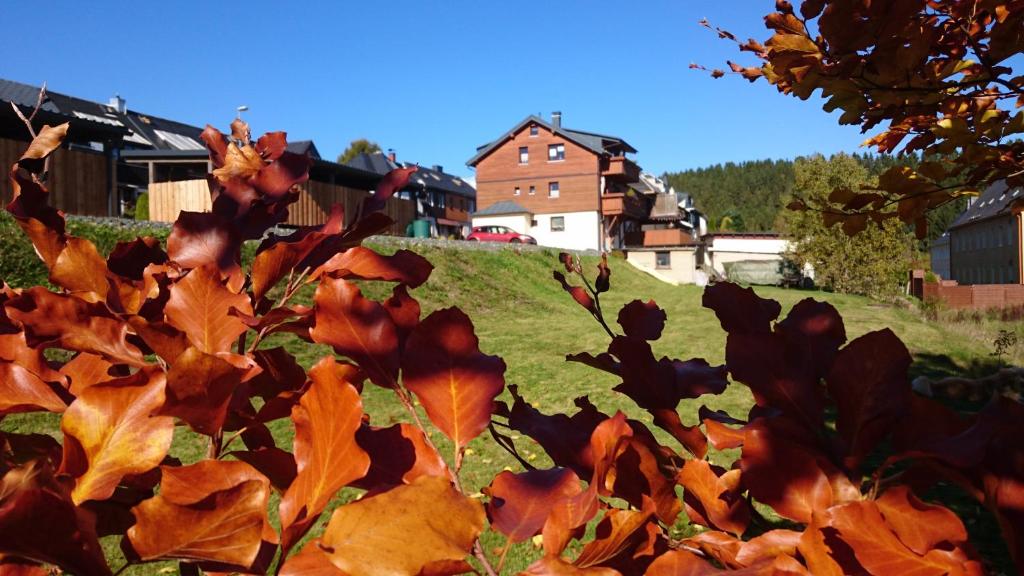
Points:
(523, 315)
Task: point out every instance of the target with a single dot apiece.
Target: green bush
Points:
(142, 207)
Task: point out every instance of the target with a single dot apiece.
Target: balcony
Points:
(628, 204)
(621, 168)
(662, 237)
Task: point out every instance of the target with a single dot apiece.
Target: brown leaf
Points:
(714, 497)
(326, 452)
(199, 387)
(363, 263)
(39, 522)
(816, 552)
(520, 503)
(578, 293)
(199, 306)
(428, 522)
(130, 259)
(404, 311)
(213, 510)
(782, 474)
(311, 561)
(767, 546)
(109, 433)
(358, 328)
(453, 379)
(392, 182)
(47, 140)
(80, 268)
(555, 566)
(614, 534)
(740, 310)
(72, 324)
(603, 281)
(84, 370)
(399, 454)
(204, 238)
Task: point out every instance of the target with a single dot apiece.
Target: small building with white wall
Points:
(727, 247)
(567, 230)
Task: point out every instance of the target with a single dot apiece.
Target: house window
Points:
(662, 259)
(517, 191)
(557, 223)
(552, 189)
(556, 152)
(533, 190)
(524, 155)
(533, 130)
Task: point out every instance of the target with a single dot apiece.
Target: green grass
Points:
(521, 314)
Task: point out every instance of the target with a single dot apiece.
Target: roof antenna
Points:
(240, 109)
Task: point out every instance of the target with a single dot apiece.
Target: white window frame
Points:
(554, 190)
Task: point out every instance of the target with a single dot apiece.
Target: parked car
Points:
(499, 234)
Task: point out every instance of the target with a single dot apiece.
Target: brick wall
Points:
(975, 296)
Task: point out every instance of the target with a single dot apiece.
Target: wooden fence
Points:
(79, 181)
(166, 199)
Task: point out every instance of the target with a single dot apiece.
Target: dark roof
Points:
(424, 177)
(503, 207)
(142, 130)
(596, 143)
(304, 147)
(996, 200)
(87, 121)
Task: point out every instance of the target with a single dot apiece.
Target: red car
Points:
(499, 234)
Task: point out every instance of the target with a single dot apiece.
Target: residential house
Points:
(566, 188)
(113, 154)
(443, 200)
(985, 239)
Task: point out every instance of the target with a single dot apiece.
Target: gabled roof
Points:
(87, 121)
(423, 178)
(143, 130)
(597, 143)
(500, 208)
(304, 147)
(996, 200)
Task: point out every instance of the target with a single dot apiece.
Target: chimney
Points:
(391, 154)
(118, 103)
(437, 168)
(556, 119)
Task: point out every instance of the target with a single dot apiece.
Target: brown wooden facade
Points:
(578, 176)
(78, 179)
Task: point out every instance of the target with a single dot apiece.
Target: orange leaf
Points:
(23, 391)
(404, 530)
(358, 328)
(555, 566)
(767, 546)
(326, 453)
(311, 561)
(919, 525)
(520, 503)
(455, 382)
(109, 433)
(199, 306)
(84, 370)
(614, 535)
(783, 475)
(199, 387)
(861, 526)
(816, 552)
(713, 497)
(213, 510)
(80, 268)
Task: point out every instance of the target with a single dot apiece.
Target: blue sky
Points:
(432, 80)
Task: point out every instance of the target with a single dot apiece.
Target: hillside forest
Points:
(751, 196)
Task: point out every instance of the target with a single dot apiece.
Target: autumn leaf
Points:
(199, 387)
(80, 268)
(428, 522)
(399, 454)
(326, 453)
(110, 432)
(614, 534)
(212, 510)
(199, 306)
(358, 328)
(643, 320)
(453, 379)
(713, 497)
(23, 391)
(363, 263)
(919, 525)
(520, 503)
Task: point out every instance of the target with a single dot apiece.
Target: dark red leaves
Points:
(358, 328)
(204, 238)
(392, 182)
(740, 310)
(643, 320)
(403, 266)
(869, 384)
(578, 293)
(453, 379)
(399, 454)
(199, 306)
(199, 387)
(783, 475)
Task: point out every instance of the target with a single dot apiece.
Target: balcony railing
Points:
(624, 203)
(664, 237)
(620, 167)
